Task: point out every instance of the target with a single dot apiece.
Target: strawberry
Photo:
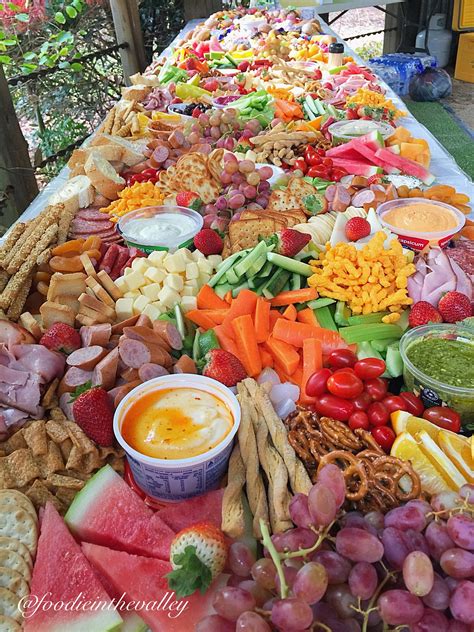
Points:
(357, 228)
(189, 199)
(454, 306)
(375, 179)
(288, 241)
(208, 242)
(61, 337)
(224, 367)
(422, 313)
(94, 413)
(198, 554)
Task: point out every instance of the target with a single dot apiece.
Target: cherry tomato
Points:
(311, 156)
(359, 419)
(327, 162)
(335, 407)
(341, 358)
(393, 403)
(149, 173)
(344, 384)
(316, 384)
(413, 404)
(443, 417)
(378, 414)
(346, 369)
(369, 368)
(337, 173)
(301, 164)
(362, 402)
(317, 171)
(376, 388)
(384, 437)
(321, 152)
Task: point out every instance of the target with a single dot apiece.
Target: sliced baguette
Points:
(52, 312)
(103, 176)
(132, 150)
(72, 284)
(137, 92)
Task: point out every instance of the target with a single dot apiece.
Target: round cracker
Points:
(10, 559)
(12, 544)
(14, 581)
(15, 499)
(21, 525)
(7, 624)
(9, 604)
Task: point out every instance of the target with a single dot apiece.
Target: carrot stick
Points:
(265, 357)
(274, 316)
(226, 342)
(262, 320)
(290, 313)
(200, 318)
(307, 316)
(244, 304)
(293, 333)
(228, 297)
(216, 315)
(294, 296)
(312, 362)
(246, 342)
(284, 354)
(208, 299)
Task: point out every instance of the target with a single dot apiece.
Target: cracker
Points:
(15, 442)
(21, 525)
(14, 581)
(9, 604)
(40, 495)
(12, 544)
(7, 624)
(20, 467)
(50, 462)
(58, 480)
(79, 438)
(16, 500)
(36, 438)
(11, 559)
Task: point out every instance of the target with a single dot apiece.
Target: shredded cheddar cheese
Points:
(137, 196)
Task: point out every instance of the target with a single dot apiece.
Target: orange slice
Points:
(433, 452)
(458, 449)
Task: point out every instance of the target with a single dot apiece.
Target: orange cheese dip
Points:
(176, 423)
(421, 218)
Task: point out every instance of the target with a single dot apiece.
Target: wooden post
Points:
(17, 179)
(128, 30)
(200, 8)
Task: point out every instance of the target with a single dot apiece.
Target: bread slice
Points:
(77, 193)
(72, 284)
(103, 176)
(52, 312)
(29, 322)
(70, 301)
(136, 92)
(132, 150)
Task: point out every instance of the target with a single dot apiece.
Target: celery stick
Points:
(366, 350)
(320, 302)
(381, 345)
(180, 326)
(196, 347)
(232, 277)
(377, 331)
(325, 319)
(266, 271)
(224, 266)
(290, 264)
(394, 360)
(403, 321)
(366, 319)
(275, 283)
(242, 286)
(342, 314)
(295, 281)
(222, 289)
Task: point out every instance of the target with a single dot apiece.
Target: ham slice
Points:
(40, 360)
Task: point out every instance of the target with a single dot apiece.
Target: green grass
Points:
(449, 133)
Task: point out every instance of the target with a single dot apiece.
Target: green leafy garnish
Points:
(79, 390)
(191, 575)
(314, 203)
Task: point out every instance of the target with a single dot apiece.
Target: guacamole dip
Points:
(443, 359)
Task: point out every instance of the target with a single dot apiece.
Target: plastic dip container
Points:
(421, 212)
(434, 392)
(344, 131)
(160, 227)
(173, 479)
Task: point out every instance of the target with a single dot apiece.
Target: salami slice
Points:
(79, 225)
(91, 214)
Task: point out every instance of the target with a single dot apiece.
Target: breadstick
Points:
(11, 240)
(16, 306)
(118, 122)
(109, 121)
(47, 217)
(64, 226)
(29, 228)
(233, 522)
(4, 276)
(124, 130)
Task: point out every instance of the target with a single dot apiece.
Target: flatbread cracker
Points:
(7, 624)
(10, 559)
(9, 604)
(14, 499)
(12, 544)
(21, 525)
(14, 581)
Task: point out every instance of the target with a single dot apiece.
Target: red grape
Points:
(418, 573)
(359, 545)
(399, 607)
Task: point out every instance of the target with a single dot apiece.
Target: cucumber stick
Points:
(252, 257)
(222, 289)
(381, 345)
(290, 264)
(224, 266)
(393, 360)
(295, 282)
(275, 283)
(325, 319)
(377, 331)
(320, 302)
(366, 350)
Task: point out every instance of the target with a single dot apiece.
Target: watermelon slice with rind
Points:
(357, 167)
(107, 512)
(62, 574)
(143, 580)
(205, 508)
(407, 166)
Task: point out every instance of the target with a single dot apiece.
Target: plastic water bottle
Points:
(389, 74)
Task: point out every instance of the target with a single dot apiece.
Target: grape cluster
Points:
(411, 570)
(221, 129)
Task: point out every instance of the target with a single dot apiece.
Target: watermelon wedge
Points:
(205, 508)
(63, 574)
(374, 140)
(357, 167)
(107, 511)
(409, 167)
(142, 579)
(366, 151)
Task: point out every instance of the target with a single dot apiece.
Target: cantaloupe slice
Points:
(411, 150)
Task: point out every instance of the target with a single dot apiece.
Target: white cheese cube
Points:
(156, 257)
(188, 303)
(141, 264)
(124, 308)
(175, 262)
(168, 296)
(140, 303)
(121, 283)
(187, 254)
(214, 260)
(198, 255)
(135, 280)
(127, 271)
(205, 266)
(188, 291)
(155, 275)
(159, 305)
(194, 284)
(152, 311)
(203, 278)
(174, 281)
(192, 271)
(152, 290)
(132, 294)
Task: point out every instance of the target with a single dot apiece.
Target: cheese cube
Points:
(168, 296)
(134, 280)
(192, 271)
(205, 266)
(193, 283)
(141, 264)
(151, 291)
(121, 284)
(198, 255)
(203, 278)
(214, 260)
(152, 311)
(156, 275)
(159, 305)
(175, 282)
(140, 303)
(127, 271)
(132, 294)
(188, 303)
(175, 262)
(187, 254)
(124, 308)
(188, 291)
(156, 257)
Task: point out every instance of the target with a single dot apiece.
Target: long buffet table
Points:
(442, 165)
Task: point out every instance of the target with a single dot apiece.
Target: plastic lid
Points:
(336, 47)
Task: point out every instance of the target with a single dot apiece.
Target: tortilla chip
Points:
(36, 438)
(79, 439)
(57, 431)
